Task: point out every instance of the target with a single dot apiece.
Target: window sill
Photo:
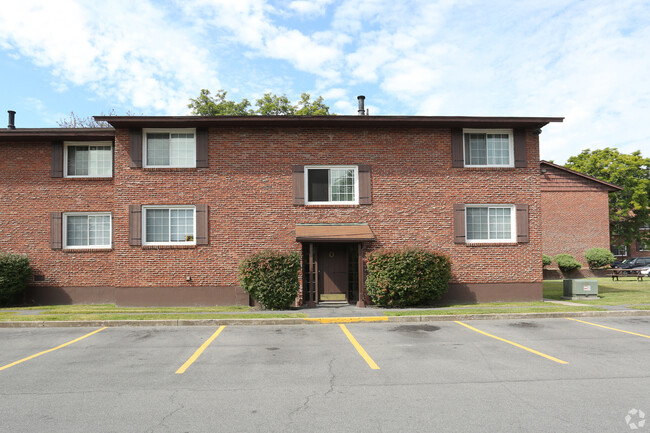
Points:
(169, 169)
(495, 168)
(105, 179)
(329, 206)
(491, 244)
(168, 247)
(87, 250)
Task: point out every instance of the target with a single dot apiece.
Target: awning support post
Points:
(361, 303)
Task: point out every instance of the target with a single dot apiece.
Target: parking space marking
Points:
(543, 355)
(199, 351)
(51, 350)
(607, 327)
(360, 349)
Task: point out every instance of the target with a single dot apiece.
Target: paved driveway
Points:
(547, 375)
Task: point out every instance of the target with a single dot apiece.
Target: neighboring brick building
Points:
(637, 248)
(575, 212)
(160, 210)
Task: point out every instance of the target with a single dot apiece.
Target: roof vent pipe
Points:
(361, 111)
(12, 117)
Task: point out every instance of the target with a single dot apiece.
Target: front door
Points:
(333, 278)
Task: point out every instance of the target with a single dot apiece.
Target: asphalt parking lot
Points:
(557, 375)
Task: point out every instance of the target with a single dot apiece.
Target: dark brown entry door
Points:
(333, 263)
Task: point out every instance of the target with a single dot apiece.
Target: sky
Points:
(586, 61)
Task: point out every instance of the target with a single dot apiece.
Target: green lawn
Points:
(622, 292)
(549, 308)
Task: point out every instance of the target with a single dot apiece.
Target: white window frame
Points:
(68, 144)
(170, 131)
(618, 247)
(64, 231)
(511, 146)
(329, 186)
(513, 224)
(644, 246)
(144, 224)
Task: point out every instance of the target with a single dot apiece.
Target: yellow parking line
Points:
(51, 350)
(199, 351)
(347, 319)
(360, 349)
(514, 344)
(607, 327)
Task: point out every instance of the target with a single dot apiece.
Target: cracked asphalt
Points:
(434, 376)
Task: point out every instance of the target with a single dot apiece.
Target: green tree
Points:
(629, 208)
(268, 105)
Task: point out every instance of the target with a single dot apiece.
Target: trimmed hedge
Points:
(271, 278)
(14, 275)
(598, 257)
(546, 260)
(566, 262)
(408, 277)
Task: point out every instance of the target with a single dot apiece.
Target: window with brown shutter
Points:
(457, 148)
(56, 230)
(519, 137)
(57, 159)
(202, 227)
(365, 188)
(298, 175)
(522, 223)
(459, 223)
(135, 225)
(135, 147)
(202, 146)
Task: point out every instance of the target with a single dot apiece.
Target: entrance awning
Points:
(334, 233)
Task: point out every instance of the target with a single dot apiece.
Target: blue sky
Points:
(587, 61)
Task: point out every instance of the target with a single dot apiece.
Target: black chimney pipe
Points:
(12, 117)
(361, 111)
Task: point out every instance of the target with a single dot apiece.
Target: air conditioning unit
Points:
(580, 289)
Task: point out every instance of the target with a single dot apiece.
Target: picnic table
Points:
(638, 273)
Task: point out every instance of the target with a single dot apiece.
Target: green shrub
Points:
(546, 260)
(566, 262)
(271, 278)
(598, 257)
(14, 275)
(402, 278)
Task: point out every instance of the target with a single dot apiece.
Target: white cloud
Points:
(309, 7)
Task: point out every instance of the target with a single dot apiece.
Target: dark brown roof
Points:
(611, 186)
(334, 233)
(49, 134)
(429, 121)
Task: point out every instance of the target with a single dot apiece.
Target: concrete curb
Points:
(318, 321)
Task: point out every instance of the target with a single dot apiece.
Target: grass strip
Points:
(460, 311)
(610, 292)
(116, 316)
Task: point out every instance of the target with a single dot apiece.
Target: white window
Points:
(87, 230)
(169, 148)
(88, 159)
(490, 223)
(619, 250)
(332, 184)
(644, 246)
(488, 148)
(169, 225)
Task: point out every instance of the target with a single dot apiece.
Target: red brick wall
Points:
(575, 215)
(248, 187)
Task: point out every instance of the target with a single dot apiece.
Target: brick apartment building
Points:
(575, 209)
(160, 210)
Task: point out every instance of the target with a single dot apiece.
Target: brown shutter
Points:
(298, 184)
(57, 159)
(135, 148)
(202, 224)
(365, 189)
(202, 147)
(459, 223)
(522, 223)
(56, 238)
(135, 224)
(519, 137)
(457, 148)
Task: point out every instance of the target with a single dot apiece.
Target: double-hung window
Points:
(619, 250)
(488, 148)
(88, 159)
(169, 225)
(87, 230)
(490, 223)
(170, 148)
(332, 184)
